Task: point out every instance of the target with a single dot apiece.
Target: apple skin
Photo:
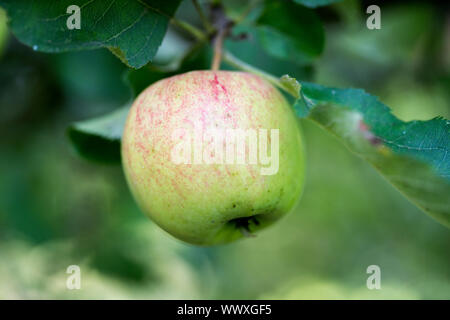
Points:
(208, 204)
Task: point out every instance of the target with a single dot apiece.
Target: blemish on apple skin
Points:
(215, 84)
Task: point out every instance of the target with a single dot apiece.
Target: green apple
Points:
(212, 156)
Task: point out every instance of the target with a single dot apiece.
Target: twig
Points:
(247, 11)
(239, 64)
(195, 32)
(208, 26)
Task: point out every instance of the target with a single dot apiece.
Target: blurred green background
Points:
(57, 209)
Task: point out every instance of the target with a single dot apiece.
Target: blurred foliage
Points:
(3, 30)
(57, 209)
(290, 32)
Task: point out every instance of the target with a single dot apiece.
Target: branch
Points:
(208, 26)
(239, 64)
(195, 32)
(223, 25)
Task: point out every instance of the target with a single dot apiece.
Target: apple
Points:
(212, 156)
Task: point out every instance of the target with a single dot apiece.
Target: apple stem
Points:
(218, 45)
(223, 25)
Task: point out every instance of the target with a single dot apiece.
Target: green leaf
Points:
(315, 3)
(133, 30)
(290, 31)
(98, 139)
(414, 156)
